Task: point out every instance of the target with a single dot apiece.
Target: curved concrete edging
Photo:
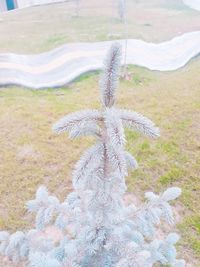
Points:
(194, 4)
(62, 65)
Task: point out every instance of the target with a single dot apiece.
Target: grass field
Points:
(32, 155)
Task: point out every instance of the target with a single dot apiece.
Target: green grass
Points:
(192, 237)
(172, 175)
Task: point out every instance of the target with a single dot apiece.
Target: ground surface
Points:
(31, 154)
(42, 28)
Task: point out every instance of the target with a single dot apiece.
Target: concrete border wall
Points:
(62, 65)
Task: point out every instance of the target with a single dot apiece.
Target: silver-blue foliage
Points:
(94, 227)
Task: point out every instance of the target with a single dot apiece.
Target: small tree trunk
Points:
(77, 11)
(125, 70)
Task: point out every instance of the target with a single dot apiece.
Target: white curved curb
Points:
(195, 4)
(62, 65)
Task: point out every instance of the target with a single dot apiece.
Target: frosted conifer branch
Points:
(139, 123)
(110, 76)
(15, 246)
(164, 251)
(39, 259)
(115, 130)
(156, 209)
(90, 160)
(134, 258)
(117, 159)
(45, 207)
(171, 193)
(85, 129)
(78, 121)
(130, 161)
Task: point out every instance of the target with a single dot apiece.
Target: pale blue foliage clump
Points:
(44, 206)
(40, 259)
(94, 227)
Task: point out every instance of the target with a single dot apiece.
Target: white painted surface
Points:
(27, 3)
(3, 6)
(195, 4)
(62, 65)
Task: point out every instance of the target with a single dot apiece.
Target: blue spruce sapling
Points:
(94, 227)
